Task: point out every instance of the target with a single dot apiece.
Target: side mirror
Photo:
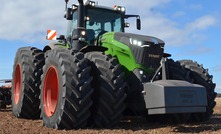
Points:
(138, 24)
(66, 1)
(68, 14)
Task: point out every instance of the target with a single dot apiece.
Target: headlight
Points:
(138, 43)
(83, 33)
(135, 42)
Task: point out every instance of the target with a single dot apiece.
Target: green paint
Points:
(122, 52)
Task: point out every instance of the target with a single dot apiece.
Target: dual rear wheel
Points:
(65, 90)
(72, 92)
(25, 84)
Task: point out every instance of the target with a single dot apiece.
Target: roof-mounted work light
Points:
(88, 2)
(119, 8)
(92, 3)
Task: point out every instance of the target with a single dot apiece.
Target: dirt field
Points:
(9, 124)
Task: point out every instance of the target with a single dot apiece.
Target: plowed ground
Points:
(11, 125)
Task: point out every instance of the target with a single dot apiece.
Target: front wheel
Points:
(65, 90)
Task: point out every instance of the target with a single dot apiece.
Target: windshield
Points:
(100, 20)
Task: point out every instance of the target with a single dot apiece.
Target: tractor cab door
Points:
(100, 21)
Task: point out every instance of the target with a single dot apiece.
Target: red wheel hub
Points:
(50, 91)
(17, 83)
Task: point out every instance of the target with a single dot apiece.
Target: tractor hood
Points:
(137, 40)
(147, 51)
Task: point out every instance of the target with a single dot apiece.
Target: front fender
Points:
(54, 45)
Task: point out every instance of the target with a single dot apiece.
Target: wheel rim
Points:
(50, 91)
(17, 84)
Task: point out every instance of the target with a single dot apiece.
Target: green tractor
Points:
(97, 73)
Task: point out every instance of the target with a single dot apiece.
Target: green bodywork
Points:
(119, 50)
(123, 53)
(63, 45)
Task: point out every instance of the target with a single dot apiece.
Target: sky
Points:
(191, 29)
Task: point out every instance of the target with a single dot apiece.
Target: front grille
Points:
(148, 56)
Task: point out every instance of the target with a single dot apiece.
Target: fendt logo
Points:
(154, 56)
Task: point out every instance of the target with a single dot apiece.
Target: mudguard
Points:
(174, 96)
(54, 45)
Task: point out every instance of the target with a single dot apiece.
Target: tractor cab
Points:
(96, 22)
(87, 21)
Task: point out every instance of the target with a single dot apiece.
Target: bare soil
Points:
(12, 125)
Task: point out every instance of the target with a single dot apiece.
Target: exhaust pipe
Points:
(81, 13)
(78, 34)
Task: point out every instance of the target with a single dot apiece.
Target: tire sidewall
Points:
(16, 108)
(54, 119)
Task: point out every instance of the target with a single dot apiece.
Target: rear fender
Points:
(93, 48)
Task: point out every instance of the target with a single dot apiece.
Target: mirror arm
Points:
(66, 4)
(138, 20)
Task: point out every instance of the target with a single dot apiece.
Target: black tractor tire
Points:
(65, 90)
(200, 75)
(25, 84)
(5, 97)
(2, 99)
(109, 94)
